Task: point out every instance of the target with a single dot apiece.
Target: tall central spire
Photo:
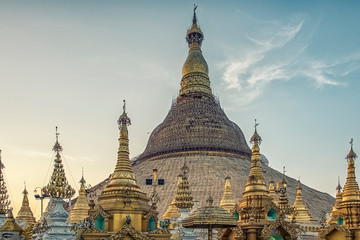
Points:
(123, 173)
(195, 80)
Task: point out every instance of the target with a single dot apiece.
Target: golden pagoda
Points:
(301, 213)
(123, 211)
(81, 208)
(25, 212)
(58, 186)
(227, 201)
(259, 216)
(345, 217)
(173, 212)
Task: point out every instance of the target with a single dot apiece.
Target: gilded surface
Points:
(183, 197)
(122, 196)
(25, 212)
(58, 186)
(227, 201)
(301, 213)
(81, 208)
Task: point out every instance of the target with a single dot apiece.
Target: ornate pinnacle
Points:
(194, 34)
(124, 119)
(351, 154)
(194, 17)
(57, 147)
(183, 198)
(82, 180)
(123, 173)
(255, 139)
(338, 187)
(351, 188)
(58, 186)
(4, 197)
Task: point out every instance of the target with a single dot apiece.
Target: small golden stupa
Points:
(173, 212)
(25, 212)
(301, 213)
(81, 208)
(122, 197)
(227, 201)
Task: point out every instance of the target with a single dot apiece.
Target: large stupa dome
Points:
(195, 123)
(197, 131)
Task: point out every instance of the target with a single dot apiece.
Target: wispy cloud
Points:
(32, 154)
(276, 53)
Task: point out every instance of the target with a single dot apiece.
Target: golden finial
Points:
(57, 147)
(194, 17)
(82, 180)
(124, 119)
(351, 154)
(256, 137)
(194, 34)
(338, 187)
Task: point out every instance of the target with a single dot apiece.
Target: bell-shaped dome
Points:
(196, 122)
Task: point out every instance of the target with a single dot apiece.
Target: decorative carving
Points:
(334, 227)
(131, 231)
(291, 229)
(99, 211)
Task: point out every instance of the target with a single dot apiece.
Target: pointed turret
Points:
(58, 186)
(25, 212)
(227, 201)
(255, 182)
(195, 79)
(301, 214)
(4, 197)
(338, 198)
(173, 211)
(272, 190)
(122, 196)
(183, 198)
(283, 200)
(351, 188)
(81, 208)
(123, 173)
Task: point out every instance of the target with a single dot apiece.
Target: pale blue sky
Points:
(295, 66)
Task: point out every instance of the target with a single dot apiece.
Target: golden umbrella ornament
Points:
(209, 217)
